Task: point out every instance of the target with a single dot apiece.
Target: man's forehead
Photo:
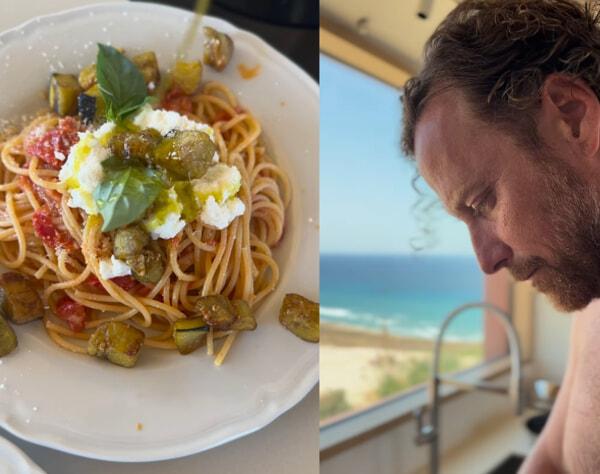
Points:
(446, 138)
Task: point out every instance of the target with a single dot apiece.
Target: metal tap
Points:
(429, 433)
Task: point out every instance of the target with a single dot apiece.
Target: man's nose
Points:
(492, 253)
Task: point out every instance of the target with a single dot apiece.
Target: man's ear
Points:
(571, 108)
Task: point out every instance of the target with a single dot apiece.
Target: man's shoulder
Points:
(588, 317)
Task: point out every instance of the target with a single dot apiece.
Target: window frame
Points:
(342, 429)
(399, 408)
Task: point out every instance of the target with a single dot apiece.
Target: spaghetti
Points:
(235, 262)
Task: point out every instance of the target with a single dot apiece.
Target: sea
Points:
(404, 295)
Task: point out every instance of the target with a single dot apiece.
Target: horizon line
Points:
(393, 254)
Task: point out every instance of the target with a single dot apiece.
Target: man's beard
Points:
(572, 280)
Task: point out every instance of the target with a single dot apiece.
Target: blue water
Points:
(404, 295)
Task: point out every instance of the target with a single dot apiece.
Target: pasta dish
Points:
(143, 216)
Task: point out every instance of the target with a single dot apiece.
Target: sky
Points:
(365, 182)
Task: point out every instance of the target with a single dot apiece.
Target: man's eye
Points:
(484, 205)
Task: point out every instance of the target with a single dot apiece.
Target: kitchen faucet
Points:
(429, 434)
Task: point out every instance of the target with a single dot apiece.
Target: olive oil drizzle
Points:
(200, 10)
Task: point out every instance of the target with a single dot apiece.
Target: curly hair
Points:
(498, 54)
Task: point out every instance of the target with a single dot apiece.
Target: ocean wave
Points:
(335, 312)
(431, 332)
(362, 319)
(396, 324)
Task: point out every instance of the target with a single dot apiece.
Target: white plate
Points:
(84, 406)
(14, 461)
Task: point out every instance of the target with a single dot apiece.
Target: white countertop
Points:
(290, 444)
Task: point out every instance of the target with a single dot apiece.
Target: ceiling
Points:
(389, 29)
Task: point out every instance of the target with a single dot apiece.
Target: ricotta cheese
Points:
(220, 216)
(82, 172)
(166, 120)
(164, 221)
(221, 181)
(113, 267)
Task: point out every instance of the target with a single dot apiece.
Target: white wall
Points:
(551, 331)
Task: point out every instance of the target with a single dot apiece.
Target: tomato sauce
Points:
(45, 228)
(126, 282)
(178, 101)
(53, 146)
(73, 313)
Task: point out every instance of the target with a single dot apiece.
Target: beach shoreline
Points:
(345, 335)
(360, 367)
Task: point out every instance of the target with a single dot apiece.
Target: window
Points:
(381, 302)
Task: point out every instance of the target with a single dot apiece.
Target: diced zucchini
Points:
(128, 145)
(187, 76)
(300, 316)
(222, 314)
(118, 342)
(188, 334)
(216, 310)
(148, 266)
(129, 242)
(8, 338)
(94, 91)
(63, 93)
(187, 154)
(86, 108)
(19, 300)
(90, 105)
(87, 76)
(218, 48)
(148, 66)
(245, 319)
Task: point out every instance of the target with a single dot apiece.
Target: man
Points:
(504, 124)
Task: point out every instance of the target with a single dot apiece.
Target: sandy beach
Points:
(360, 367)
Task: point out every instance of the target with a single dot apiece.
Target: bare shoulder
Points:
(585, 338)
(582, 383)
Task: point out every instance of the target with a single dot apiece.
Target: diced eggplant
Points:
(63, 93)
(140, 144)
(8, 338)
(301, 316)
(18, 298)
(148, 66)
(218, 48)
(129, 242)
(188, 334)
(90, 105)
(94, 91)
(187, 76)
(245, 319)
(148, 266)
(187, 154)
(217, 311)
(86, 108)
(87, 76)
(117, 342)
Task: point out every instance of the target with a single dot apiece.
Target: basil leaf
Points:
(121, 83)
(125, 194)
(114, 163)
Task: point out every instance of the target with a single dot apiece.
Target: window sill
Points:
(359, 424)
